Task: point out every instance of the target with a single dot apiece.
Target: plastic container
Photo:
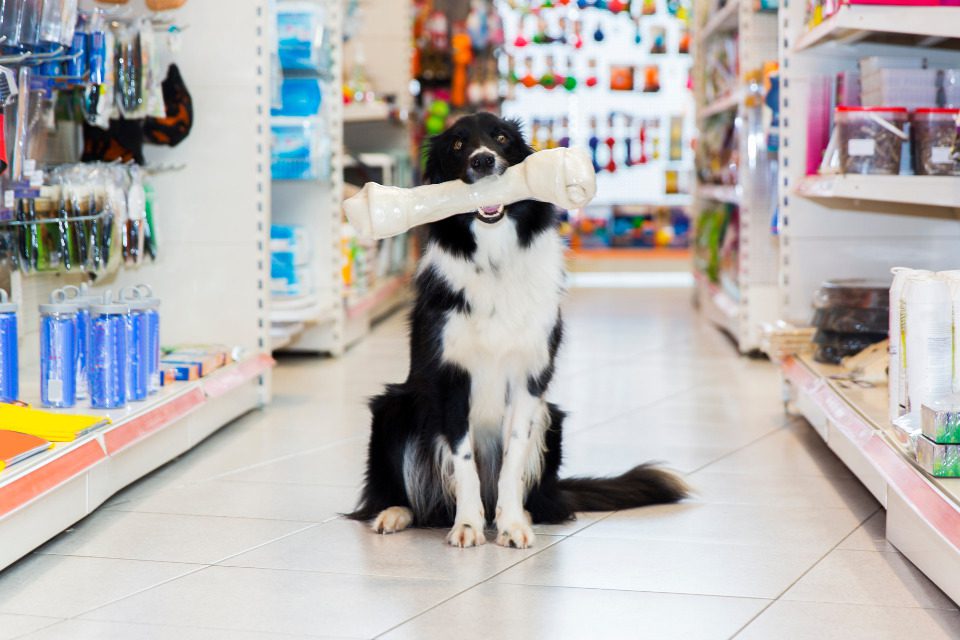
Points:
(928, 323)
(299, 97)
(138, 345)
(58, 352)
(83, 302)
(9, 356)
(853, 292)
(871, 139)
(934, 134)
(108, 349)
(152, 312)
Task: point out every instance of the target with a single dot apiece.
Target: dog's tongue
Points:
(494, 209)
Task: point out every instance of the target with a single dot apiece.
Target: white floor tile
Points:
(666, 566)
(513, 611)
(822, 621)
(99, 630)
(61, 587)
(16, 626)
(868, 577)
(166, 537)
(871, 536)
(294, 602)
(343, 546)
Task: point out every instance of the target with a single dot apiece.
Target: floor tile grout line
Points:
(491, 577)
(199, 567)
(802, 575)
(741, 448)
(471, 587)
(645, 591)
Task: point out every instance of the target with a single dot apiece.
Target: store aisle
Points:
(240, 538)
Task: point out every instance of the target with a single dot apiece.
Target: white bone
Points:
(562, 176)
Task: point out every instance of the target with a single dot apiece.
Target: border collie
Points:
(470, 435)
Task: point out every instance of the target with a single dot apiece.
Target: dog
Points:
(469, 435)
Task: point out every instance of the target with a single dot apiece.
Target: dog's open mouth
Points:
(490, 214)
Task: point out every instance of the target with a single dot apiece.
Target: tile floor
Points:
(240, 538)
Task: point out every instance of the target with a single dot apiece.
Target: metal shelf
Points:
(923, 191)
(857, 22)
(923, 513)
(717, 305)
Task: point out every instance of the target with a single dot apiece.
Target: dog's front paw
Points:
(465, 535)
(392, 520)
(514, 532)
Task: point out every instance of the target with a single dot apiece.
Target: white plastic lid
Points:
(107, 306)
(6, 306)
(58, 304)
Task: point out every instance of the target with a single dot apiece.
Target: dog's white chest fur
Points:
(513, 294)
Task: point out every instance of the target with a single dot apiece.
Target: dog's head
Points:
(475, 147)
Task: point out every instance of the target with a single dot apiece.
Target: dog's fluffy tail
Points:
(643, 485)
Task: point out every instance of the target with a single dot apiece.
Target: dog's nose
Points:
(483, 162)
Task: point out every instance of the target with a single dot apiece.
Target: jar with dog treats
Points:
(871, 139)
(934, 139)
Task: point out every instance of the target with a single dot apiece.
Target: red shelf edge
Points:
(51, 475)
(941, 513)
(138, 428)
(239, 374)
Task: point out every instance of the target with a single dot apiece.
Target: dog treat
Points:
(852, 319)
(832, 347)
(562, 176)
(871, 139)
(940, 460)
(940, 420)
(934, 138)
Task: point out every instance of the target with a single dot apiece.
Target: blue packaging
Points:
(300, 35)
(97, 56)
(108, 350)
(58, 352)
(299, 97)
(9, 358)
(76, 65)
(138, 345)
(152, 311)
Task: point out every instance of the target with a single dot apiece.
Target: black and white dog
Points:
(470, 434)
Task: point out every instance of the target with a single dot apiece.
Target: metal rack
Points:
(741, 315)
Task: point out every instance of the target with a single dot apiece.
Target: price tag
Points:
(941, 155)
(861, 146)
(36, 178)
(29, 166)
(8, 199)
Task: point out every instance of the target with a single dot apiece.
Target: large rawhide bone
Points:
(564, 177)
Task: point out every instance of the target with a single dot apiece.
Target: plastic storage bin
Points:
(300, 35)
(934, 138)
(299, 97)
(871, 139)
(299, 150)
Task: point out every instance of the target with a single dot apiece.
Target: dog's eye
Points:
(457, 145)
(502, 139)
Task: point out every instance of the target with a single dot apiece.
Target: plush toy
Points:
(560, 176)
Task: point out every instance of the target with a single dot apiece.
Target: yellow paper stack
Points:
(55, 427)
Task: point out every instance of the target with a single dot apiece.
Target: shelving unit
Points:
(923, 513)
(212, 275)
(327, 320)
(740, 316)
(856, 226)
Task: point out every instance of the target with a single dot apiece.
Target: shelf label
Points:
(941, 155)
(861, 146)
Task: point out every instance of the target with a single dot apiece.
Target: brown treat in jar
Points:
(934, 139)
(871, 139)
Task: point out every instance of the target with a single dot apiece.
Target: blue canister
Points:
(9, 365)
(108, 349)
(58, 352)
(138, 345)
(152, 312)
(83, 300)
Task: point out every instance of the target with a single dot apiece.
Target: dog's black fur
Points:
(434, 401)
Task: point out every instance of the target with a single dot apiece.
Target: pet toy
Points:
(561, 176)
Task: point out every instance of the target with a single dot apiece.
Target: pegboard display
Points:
(611, 77)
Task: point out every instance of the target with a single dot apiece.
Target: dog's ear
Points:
(515, 125)
(431, 155)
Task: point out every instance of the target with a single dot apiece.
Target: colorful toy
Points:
(462, 57)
